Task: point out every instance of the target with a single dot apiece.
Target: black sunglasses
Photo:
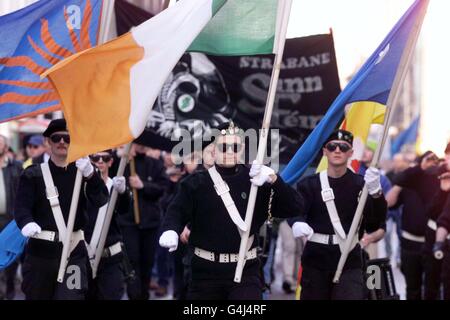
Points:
(55, 138)
(332, 146)
(32, 146)
(234, 147)
(96, 158)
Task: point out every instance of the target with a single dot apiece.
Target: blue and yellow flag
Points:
(372, 83)
(32, 40)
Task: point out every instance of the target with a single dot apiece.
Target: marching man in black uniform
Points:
(109, 283)
(331, 199)
(423, 179)
(215, 202)
(42, 209)
(442, 243)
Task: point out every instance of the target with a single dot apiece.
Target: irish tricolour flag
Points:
(107, 92)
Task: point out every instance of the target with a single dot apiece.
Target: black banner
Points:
(307, 86)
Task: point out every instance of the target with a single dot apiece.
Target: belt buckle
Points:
(106, 253)
(327, 194)
(330, 240)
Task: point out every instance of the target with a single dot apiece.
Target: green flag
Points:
(240, 27)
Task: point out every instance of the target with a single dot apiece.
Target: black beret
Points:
(342, 135)
(55, 126)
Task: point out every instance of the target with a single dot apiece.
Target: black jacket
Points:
(196, 202)
(32, 204)
(346, 191)
(152, 174)
(11, 176)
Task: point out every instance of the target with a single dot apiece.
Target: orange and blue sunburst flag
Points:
(32, 40)
(372, 84)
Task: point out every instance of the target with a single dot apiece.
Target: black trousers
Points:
(140, 245)
(433, 277)
(39, 278)
(8, 276)
(180, 273)
(446, 272)
(109, 284)
(318, 285)
(250, 288)
(413, 268)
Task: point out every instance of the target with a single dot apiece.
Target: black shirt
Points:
(414, 218)
(212, 229)
(346, 190)
(32, 204)
(152, 174)
(423, 183)
(426, 184)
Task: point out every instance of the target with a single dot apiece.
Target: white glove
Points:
(372, 178)
(85, 166)
(260, 174)
(120, 184)
(31, 229)
(301, 229)
(169, 239)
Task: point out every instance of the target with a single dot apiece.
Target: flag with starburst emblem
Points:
(32, 40)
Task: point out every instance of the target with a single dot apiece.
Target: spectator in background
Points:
(35, 150)
(426, 185)
(10, 171)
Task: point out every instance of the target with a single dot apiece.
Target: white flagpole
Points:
(109, 214)
(390, 105)
(70, 223)
(107, 11)
(285, 7)
(107, 21)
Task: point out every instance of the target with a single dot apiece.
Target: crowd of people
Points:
(178, 221)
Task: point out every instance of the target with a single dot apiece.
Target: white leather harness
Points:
(339, 237)
(53, 198)
(223, 191)
(99, 222)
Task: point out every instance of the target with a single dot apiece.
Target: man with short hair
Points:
(214, 202)
(331, 199)
(423, 180)
(41, 211)
(10, 171)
